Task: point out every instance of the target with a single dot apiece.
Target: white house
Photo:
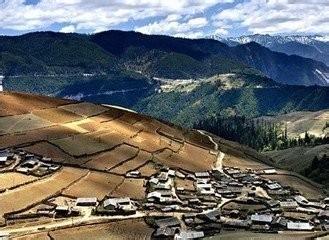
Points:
(1, 87)
(302, 226)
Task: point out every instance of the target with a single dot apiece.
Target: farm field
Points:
(131, 187)
(300, 122)
(38, 236)
(125, 129)
(94, 185)
(111, 231)
(90, 126)
(34, 136)
(81, 145)
(150, 142)
(13, 179)
(19, 103)
(189, 158)
(148, 125)
(169, 131)
(147, 170)
(75, 125)
(110, 137)
(85, 109)
(141, 159)
(46, 149)
(138, 229)
(56, 115)
(107, 116)
(112, 158)
(130, 118)
(21, 123)
(36, 192)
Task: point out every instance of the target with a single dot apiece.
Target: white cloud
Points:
(221, 31)
(179, 18)
(68, 29)
(172, 26)
(93, 15)
(278, 16)
(197, 22)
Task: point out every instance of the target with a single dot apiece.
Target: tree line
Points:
(318, 170)
(259, 134)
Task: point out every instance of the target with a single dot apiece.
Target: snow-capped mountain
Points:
(269, 40)
(315, 47)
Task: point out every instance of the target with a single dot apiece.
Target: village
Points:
(204, 205)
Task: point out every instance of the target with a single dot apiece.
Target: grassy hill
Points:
(302, 160)
(254, 96)
(299, 122)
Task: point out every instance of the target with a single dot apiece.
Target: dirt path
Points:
(218, 164)
(88, 219)
(262, 193)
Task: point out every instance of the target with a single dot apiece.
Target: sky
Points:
(182, 18)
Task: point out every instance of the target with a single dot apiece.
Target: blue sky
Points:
(186, 18)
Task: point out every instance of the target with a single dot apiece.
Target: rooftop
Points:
(266, 218)
(299, 226)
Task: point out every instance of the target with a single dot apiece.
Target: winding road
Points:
(218, 164)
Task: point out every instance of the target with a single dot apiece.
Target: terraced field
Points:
(94, 185)
(113, 158)
(30, 194)
(100, 144)
(84, 109)
(11, 179)
(22, 123)
(134, 163)
(138, 230)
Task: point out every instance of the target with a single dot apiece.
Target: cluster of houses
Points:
(171, 228)
(6, 158)
(26, 163)
(279, 208)
(34, 165)
(163, 195)
(198, 210)
(79, 206)
(117, 206)
(109, 206)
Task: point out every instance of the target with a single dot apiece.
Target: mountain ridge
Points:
(150, 55)
(315, 47)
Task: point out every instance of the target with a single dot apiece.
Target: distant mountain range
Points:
(176, 79)
(49, 53)
(315, 46)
